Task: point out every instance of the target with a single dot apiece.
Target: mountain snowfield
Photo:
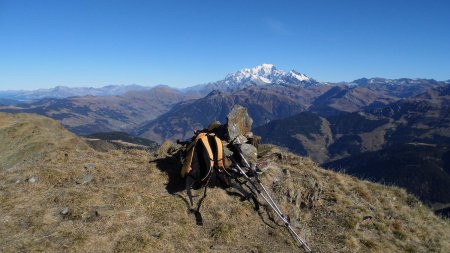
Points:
(265, 74)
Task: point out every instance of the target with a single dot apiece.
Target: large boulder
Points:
(238, 122)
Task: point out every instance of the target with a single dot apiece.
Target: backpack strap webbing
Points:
(215, 156)
(198, 216)
(214, 159)
(190, 155)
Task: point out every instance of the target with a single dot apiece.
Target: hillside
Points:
(81, 200)
(375, 143)
(264, 104)
(422, 169)
(27, 138)
(90, 114)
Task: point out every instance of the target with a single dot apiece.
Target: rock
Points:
(227, 151)
(254, 140)
(89, 166)
(165, 148)
(214, 126)
(240, 140)
(18, 181)
(250, 153)
(218, 247)
(64, 211)
(104, 211)
(218, 129)
(238, 122)
(84, 180)
(32, 179)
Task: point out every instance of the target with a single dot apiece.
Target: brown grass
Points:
(127, 208)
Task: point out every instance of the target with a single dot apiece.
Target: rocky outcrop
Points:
(238, 122)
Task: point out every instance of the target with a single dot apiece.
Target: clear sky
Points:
(181, 43)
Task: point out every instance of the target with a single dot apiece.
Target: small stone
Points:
(165, 148)
(64, 211)
(240, 140)
(18, 181)
(255, 140)
(32, 179)
(89, 166)
(250, 153)
(217, 247)
(214, 125)
(84, 180)
(104, 211)
(249, 135)
(227, 151)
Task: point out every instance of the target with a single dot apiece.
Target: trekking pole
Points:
(256, 176)
(272, 204)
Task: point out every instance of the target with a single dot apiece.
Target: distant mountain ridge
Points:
(404, 142)
(265, 74)
(163, 112)
(65, 92)
(91, 114)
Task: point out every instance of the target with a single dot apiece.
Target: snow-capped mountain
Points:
(64, 92)
(265, 74)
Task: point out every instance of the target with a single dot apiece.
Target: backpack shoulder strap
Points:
(189, 156)
(219, 158)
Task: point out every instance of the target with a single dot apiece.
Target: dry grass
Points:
(127, 207)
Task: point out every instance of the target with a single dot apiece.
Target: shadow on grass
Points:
(171, 165)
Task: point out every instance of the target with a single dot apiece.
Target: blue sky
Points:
(182, 43)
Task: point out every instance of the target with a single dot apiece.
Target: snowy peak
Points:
(263, 75)
(299, 76)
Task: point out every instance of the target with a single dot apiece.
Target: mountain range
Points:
(333, 123)
(263, 75)
(91, 114)
(17, 96)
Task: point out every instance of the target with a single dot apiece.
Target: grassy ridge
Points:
(82, 200)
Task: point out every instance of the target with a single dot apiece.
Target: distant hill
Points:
(89, 114)
(120, 140)
(401, 88)
(73, 198)
(264, 104)
(375, 144)
(330, 136)
(65, 92)
(422, 169)
(6, 101)
(27, 138)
